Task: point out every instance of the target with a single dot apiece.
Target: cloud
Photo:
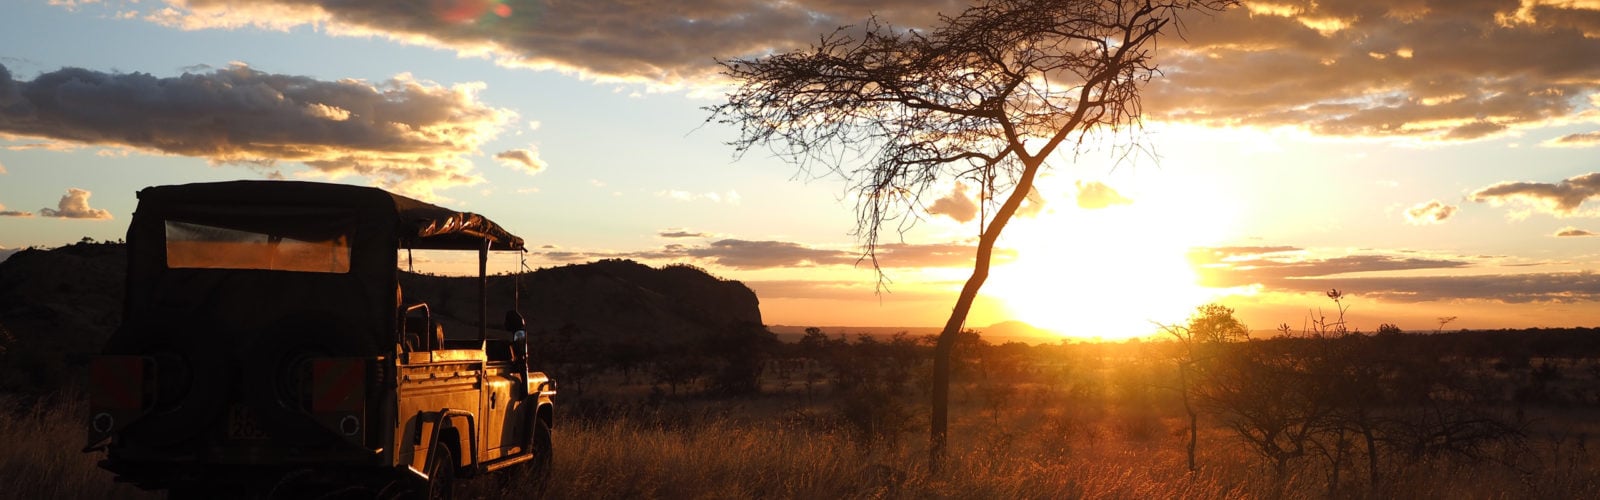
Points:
(743, 254)
(663, 42)
(75, 205)
(834, 290)
(1383, 68)
(1573, 232)
(6, 253)
(955, 255)
(731, 197)
(1583, 140)
(754, 255)
(680, 233)
(13, 213)
(1504, 288)
(403, 134)
(1560, 199)
(1095, 195)
(1432, 212)
(957, 205)
(526, 160)
(1219, 254)
(1287, 269)
(3, 169)
(1374, 68)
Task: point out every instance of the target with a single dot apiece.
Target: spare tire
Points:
(194, 373)
(277, 372)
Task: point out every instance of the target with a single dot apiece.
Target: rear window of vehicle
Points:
(198, 246)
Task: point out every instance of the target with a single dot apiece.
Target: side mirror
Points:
(519, 335)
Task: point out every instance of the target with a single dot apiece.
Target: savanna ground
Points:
(1469, 415)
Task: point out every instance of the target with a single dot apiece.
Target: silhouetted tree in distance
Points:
(1210, 325)
(985, 98)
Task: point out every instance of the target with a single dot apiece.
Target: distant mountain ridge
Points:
(58, 306)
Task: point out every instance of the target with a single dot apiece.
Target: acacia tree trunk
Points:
(943, 349)
(1188, 407)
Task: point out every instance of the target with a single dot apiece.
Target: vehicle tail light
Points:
(119, 392)
(339, 395)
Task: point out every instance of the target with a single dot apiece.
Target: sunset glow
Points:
(1111, 272)
(1288, 148)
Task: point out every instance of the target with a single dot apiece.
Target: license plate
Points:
(242, 425)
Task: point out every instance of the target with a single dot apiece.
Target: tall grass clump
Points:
(43, 439)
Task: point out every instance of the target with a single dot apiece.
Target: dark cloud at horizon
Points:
(1228, 269)
(680, 233)
(403, 134)
(834, 290)
(754, 255)
(13, 213)
(1562, 198)
(1563, 288)
(1287, 270)
(1573, 232)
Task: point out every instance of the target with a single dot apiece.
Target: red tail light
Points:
(119, 393)
(338, 384)
(117, 382)
(339, 394)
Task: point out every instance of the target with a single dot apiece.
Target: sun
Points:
(1110, 273)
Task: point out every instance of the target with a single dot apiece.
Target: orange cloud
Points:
(957, 205)
(1573, 232)
(1390, 69)
(75, 205)
(1561, 199)
(526, 160)
(1432, 212)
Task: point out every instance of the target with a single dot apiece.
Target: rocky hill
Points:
(607, 301)
(58, 306)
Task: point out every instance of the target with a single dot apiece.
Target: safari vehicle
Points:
(266, 349)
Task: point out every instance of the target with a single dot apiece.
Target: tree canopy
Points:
(986, 97)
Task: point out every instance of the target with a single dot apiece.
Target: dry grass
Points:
(780, 447)
(1031, 453)
(41, 458)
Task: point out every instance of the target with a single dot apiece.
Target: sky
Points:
(1429, 159)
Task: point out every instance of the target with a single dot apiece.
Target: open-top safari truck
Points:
(266, 348)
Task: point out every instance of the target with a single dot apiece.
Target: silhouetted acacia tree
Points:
(1209, 326)
(985, 97)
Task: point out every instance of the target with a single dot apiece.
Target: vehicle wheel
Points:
(442, 474)
(539, 470)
